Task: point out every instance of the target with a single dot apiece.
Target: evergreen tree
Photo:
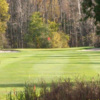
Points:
(91, 9)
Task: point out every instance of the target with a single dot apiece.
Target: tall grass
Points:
(67, 90)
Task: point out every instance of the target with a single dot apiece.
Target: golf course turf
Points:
(47, 64)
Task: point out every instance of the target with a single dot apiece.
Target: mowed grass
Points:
(33, 65)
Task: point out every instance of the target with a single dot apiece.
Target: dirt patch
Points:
(94, 49)
(8, 51)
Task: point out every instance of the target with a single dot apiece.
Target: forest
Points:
(48, 23)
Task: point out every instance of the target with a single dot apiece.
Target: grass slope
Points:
(48, 64)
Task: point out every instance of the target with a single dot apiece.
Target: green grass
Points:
(47, 64)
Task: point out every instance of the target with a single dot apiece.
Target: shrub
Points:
(59, 40)
(66, 90)
(56, 40)
(97, 41)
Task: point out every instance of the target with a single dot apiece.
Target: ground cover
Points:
(33, 65)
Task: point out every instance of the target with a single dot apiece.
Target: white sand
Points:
(94, 49)
(8, 51)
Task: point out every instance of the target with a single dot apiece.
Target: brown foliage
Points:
(62, 91)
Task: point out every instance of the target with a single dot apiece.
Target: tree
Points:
(64, 12)
(58, 38)
(91, 9)
(37, 31)
(4, 17)
(45, 35)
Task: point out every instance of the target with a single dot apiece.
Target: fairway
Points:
(47, 64)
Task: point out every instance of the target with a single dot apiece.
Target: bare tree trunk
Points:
(45, 10)
(80, 24)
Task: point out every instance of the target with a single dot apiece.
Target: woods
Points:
(91, 10)
(67, 14)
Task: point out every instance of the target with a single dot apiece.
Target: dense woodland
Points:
(49, 23)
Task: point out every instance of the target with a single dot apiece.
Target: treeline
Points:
(66, 14)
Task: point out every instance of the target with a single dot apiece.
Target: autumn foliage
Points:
(45, 35)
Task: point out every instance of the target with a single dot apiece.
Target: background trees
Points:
(91, 9)
(37, 32)
(66, 13)
(4, 16)
(44, 35)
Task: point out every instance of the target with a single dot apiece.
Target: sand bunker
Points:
(8, 51)
(94, 49)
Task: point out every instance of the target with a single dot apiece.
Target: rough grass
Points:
(48, 64)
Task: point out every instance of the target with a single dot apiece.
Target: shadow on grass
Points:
(38, 85)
